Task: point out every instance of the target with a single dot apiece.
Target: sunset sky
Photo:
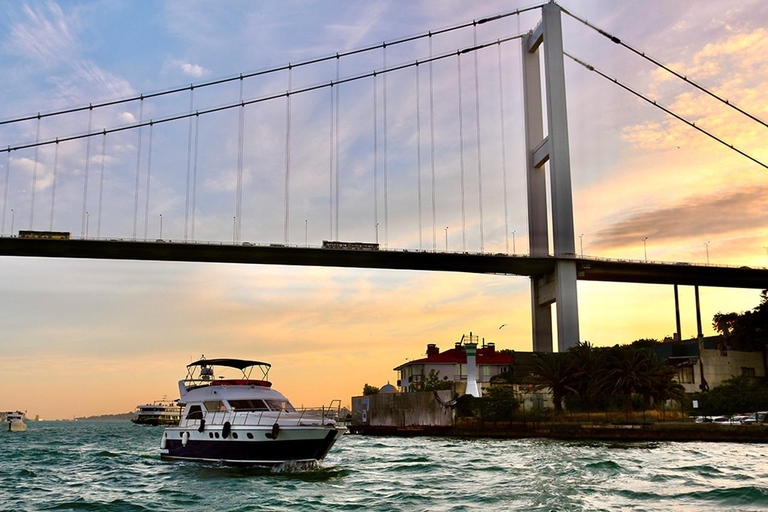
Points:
(84, 337)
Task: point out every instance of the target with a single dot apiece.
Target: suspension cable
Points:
(53, 184)
(375, 159)
(189, 164)
(479, 146)
(461, 159)
(138, 170)
(503, 153)
(277, 69)
(85, 179)
(194, 178)
(271, 97)
(239, 192)
(386, 185)
(432, 146)
(662, 66)
(287, 155)
(668, 111)
(149, 181)
(101, 183)
(34, 173)
(330, 163)
(418, 151)
(5, 189)
(338, 122)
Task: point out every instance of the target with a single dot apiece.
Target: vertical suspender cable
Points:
(5, 189)
(386, 185)
(375, 159)
(479, 146)
(330, 165)
(101, 182)
(85, 180)
(194, 178)
(503, 153)
(149, 181)
(287, 155)
(138, 170)
(239, 196)
(461, 146)
(338, 121)
(418, 150)
(53, 183)
(432, 145)
(34, 172)
(189, 162)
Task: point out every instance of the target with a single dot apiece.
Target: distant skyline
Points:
(87, 337)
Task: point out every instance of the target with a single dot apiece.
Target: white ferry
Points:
(243, 420)
(159, 412)
(14, 421)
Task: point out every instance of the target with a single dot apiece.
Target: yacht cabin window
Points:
(215, 406)
(248, 405)
(194, 412)
(280, 405)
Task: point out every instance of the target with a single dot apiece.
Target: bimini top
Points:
(202, 373)
(240, 364)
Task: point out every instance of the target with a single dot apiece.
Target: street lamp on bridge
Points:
(446, 238)
(161, 226)
(706, 244)
(13, 217)
(87, 221)
(645, 249)
(514, 249)
(581, 244)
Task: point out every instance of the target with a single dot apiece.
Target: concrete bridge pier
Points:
(553, 152)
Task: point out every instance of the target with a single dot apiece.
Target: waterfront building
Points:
(707, 362)
(450, 366)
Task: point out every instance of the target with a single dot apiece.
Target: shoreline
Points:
(586, 431)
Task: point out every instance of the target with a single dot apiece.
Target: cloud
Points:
(194, 70)
(187, 68)
(724, 212)
(44, 36)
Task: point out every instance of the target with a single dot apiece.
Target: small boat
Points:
(14, 421)
(243, 421)
(159, 412)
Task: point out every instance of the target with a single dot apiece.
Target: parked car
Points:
(757, 418)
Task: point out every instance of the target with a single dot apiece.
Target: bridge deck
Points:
(589, 269)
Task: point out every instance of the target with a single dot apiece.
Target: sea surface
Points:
(115, 466)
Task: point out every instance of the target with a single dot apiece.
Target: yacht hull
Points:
(292, 444)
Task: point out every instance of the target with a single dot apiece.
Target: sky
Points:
(86, 337)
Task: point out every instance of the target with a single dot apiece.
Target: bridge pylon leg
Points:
(552, 150)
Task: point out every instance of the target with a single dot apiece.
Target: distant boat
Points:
(159, 412)
(243, 420)
(14, 421)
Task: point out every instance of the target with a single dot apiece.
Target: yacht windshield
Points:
(248, 405)
(280, 405)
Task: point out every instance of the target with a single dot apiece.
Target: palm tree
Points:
(628, 372)
(555, 372)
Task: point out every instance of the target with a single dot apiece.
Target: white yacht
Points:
(243, 420)
(159, 412)
(14, 421)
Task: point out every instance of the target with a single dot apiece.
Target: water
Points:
(116, 467)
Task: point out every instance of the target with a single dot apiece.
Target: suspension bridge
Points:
(264, 166)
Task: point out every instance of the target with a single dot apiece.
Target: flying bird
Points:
(502, 325)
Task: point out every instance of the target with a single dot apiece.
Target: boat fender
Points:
(162, 442)
(226, 429)
(202, 425)
(184, 438)
(275, 432)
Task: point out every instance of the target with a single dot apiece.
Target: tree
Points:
(370, 390)
(433, 382)
(555, 372)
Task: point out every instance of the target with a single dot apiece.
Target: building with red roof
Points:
(451, 365)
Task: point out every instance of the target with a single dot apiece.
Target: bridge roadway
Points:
(589, 269)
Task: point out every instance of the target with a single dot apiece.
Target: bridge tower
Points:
(559, 286)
